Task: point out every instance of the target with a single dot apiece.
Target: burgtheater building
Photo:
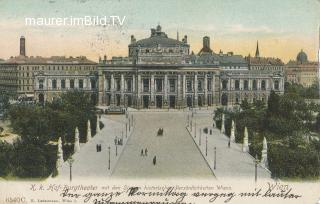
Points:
(161, 72)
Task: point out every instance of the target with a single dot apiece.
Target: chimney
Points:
(185, 39)
(22, 46)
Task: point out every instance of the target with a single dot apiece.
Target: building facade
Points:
(302, 71)
(41, 78)
(160, 72)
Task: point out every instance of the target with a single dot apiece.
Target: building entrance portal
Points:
(159, 101)
(145, 101)
(172, 101)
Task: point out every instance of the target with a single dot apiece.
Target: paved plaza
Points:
(178, 153)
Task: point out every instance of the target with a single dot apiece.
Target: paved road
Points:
(177, 155)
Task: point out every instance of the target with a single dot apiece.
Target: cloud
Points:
(240, 28)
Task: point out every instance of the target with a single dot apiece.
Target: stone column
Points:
(102, 88)
(112, 98)
(205, 89)
(213, 85)
(133, 89)
(179, 92)
(195, 103)
(184, 86)
(122, 91)
(139, 92)
(152, 104)
(165, 105)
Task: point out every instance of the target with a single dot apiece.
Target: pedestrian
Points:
(229, 144)
(141, 152)
(154, 160)
(146, 152)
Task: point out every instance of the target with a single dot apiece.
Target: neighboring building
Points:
(41, 78)
(160, 73)
(59, 74)
(301, 70)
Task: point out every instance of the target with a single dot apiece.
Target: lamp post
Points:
(122, 136)
(256, 162)
(126, 130)
(206, 145)
(215, 158)
(195, 129)
(129, 124)
(70, 161)
(116, 146)
(109, 158)
(200, 137)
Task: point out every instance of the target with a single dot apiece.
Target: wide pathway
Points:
(230, 162)
(90, 163)
(176, 154)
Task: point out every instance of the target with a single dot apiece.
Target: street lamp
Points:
(126, 130)
(200, 137)
(215, 158)
(109, 158)
(256, 162)
(122, 135)
(70, 161)
(206, 145)
(116, 146)
(129, 124)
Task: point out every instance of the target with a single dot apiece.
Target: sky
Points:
(282, 28)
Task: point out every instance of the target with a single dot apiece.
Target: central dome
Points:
(302, 57)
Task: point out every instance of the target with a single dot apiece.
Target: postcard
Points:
(159, 102)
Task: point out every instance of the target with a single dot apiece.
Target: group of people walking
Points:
(144, 152)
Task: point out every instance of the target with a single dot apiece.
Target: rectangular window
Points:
(118, 84)
(54, 84)
(172, 83)
(145, 85)
(209, 85)
(63, 84)
(80, 83)
(200, 85)
(71, 83)
(246, 85)
(41, 84)
(129, 85)
(189, 86)
(159, 85)
(237, 84)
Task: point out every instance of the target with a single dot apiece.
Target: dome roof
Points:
(302, 57)
(159, 40)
